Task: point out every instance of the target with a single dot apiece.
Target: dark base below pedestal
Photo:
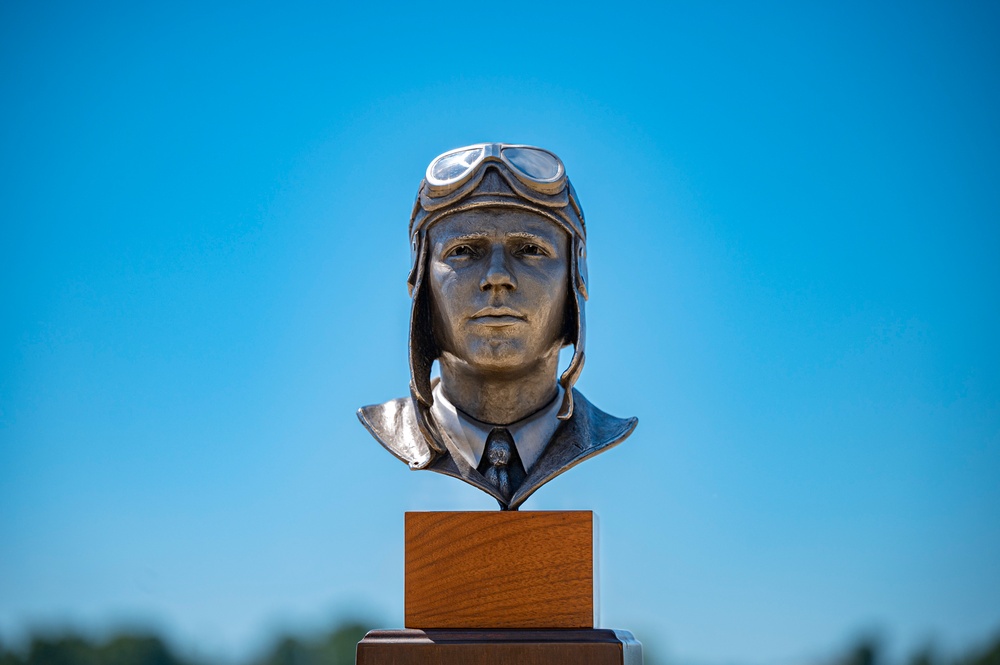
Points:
(499, 647)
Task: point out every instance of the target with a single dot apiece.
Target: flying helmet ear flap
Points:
(423, 346)
(423, 351)
(578, 282)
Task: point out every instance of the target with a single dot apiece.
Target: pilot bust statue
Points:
(499, 282)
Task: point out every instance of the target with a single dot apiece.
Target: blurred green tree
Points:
(137, 649)
(66, 650)
(75, 650)
(865, 652)
(337, 648)
(988, 655)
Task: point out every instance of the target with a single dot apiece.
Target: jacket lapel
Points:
(409, 435)
(560, 453)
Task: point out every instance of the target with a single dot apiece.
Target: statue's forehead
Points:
(497, 222)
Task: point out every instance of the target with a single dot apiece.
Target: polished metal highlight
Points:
(499, 283)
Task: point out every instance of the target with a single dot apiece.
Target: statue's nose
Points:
(498, 273)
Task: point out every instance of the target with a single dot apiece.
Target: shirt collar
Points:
(531, 434)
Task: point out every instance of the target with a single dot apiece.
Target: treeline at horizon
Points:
(337, 647)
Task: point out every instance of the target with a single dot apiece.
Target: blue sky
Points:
(795, 285)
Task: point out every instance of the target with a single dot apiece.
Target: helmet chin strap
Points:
(567, 380)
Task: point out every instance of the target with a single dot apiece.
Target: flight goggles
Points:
(537, 169)
(535, 176)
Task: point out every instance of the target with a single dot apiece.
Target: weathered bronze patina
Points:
(499, 283)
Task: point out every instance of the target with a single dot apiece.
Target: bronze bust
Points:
(498, 283)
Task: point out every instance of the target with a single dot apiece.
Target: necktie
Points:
(500, 463)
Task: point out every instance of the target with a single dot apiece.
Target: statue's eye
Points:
(462, 250)
(531, 250)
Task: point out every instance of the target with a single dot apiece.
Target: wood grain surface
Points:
(504, 569)
(499, 647)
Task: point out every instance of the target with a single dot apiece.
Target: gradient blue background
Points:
(795, 285)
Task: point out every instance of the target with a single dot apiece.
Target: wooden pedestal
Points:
(498, 588)
(500, 570)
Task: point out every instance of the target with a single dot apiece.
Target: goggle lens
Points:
(535, 164)
(453, 166)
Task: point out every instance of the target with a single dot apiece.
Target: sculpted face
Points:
(499, 286)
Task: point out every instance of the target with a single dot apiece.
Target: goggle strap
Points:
(575, 202)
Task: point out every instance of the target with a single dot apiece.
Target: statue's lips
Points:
(497, 316)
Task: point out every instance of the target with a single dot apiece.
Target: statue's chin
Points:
(499, 354)
(505, 355)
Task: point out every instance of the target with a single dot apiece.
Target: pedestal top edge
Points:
(456, 636)
(509, 513)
